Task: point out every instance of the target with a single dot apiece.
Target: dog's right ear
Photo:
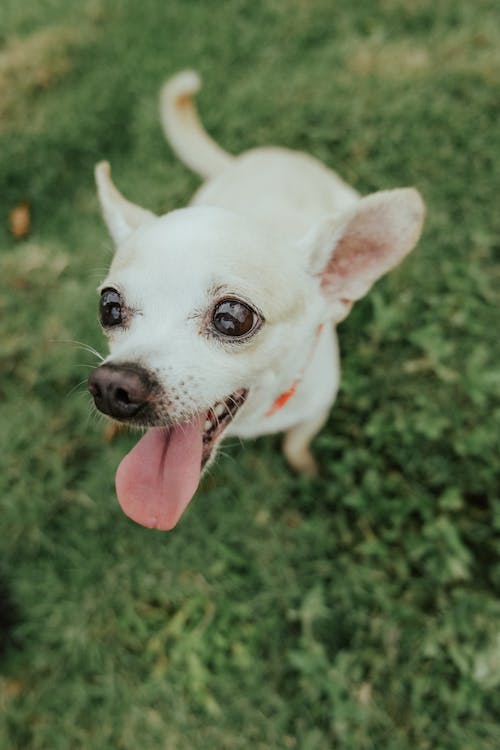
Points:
(121, 216)
(350, 252)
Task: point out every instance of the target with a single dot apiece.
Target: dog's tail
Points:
(183, 128)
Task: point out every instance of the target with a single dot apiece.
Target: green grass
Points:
(358, 611)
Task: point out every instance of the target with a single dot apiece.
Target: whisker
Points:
(98, 270)
(96, 416)
(80, 345)
(76, 387)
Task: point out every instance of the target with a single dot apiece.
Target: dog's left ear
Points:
(121, 216)
(350, 252)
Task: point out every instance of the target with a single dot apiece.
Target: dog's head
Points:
(207, 316)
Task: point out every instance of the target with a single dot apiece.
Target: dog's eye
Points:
(110, 308)
(234, 319)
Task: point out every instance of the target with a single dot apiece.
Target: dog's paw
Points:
(303, 462)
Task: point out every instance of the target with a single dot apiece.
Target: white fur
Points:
(273, 227)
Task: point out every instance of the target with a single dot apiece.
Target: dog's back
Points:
(286, 191)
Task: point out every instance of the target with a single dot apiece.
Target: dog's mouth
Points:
(160, 475)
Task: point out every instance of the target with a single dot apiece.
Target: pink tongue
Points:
(158, 478)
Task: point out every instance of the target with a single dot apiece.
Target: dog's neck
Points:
(285, 397)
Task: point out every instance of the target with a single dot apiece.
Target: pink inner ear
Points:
(357, 259)
(354, 255)
(384, 228)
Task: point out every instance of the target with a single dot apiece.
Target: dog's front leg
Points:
(297, 441)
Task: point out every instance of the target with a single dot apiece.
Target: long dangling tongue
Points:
(158, 478)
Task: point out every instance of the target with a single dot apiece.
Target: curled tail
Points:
(183, 128)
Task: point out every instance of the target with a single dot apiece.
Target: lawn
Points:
(359, 610)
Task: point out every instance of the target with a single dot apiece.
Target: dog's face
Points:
(206, 316)
(191, 302)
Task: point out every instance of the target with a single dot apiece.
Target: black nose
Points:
(120, 390)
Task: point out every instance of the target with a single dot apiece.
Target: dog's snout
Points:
(120, 391)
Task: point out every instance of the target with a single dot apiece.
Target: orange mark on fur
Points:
(282, 399)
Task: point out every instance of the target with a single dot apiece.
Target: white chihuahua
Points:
(221, 316)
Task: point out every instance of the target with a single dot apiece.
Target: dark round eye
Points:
(110, 308)
(233, 318)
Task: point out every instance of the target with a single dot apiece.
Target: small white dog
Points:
(221, 316)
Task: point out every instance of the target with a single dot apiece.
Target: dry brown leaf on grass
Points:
(20, 220)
